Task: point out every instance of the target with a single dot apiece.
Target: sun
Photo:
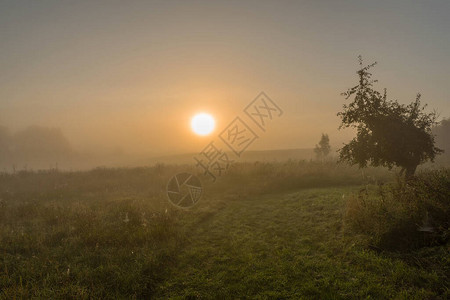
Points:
(203, 124)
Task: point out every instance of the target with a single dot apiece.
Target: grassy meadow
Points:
(264, 230)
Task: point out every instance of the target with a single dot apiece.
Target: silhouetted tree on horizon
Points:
(323, 148)
(442, 132)
(388, 133)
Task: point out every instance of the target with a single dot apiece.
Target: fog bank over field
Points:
(38, 147)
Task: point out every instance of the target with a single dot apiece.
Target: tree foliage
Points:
(388, 133)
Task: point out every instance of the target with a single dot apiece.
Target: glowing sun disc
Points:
(202, 124)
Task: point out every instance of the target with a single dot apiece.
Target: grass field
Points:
(268, 231)
(293, 245)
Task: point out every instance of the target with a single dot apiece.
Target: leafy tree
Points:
(388, 133)
(323, 149)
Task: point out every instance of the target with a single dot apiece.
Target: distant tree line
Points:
(33, 144)
(442, 132)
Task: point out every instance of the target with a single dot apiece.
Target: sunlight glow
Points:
(202, 124)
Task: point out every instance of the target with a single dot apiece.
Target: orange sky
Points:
(131, 74)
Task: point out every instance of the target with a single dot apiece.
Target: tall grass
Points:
(404, 215)
(112, 233)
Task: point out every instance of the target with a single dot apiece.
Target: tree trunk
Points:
(409, 171)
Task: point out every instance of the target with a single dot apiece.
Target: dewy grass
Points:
(263, 230)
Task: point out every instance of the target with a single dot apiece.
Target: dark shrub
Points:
(404, 215)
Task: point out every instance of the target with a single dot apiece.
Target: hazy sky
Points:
(131, 74)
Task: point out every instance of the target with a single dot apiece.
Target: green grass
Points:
(262, 231)
(292, 245)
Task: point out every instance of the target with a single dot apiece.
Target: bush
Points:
(404, 215)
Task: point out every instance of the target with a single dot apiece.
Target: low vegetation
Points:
(267, 230)
(404, 215)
